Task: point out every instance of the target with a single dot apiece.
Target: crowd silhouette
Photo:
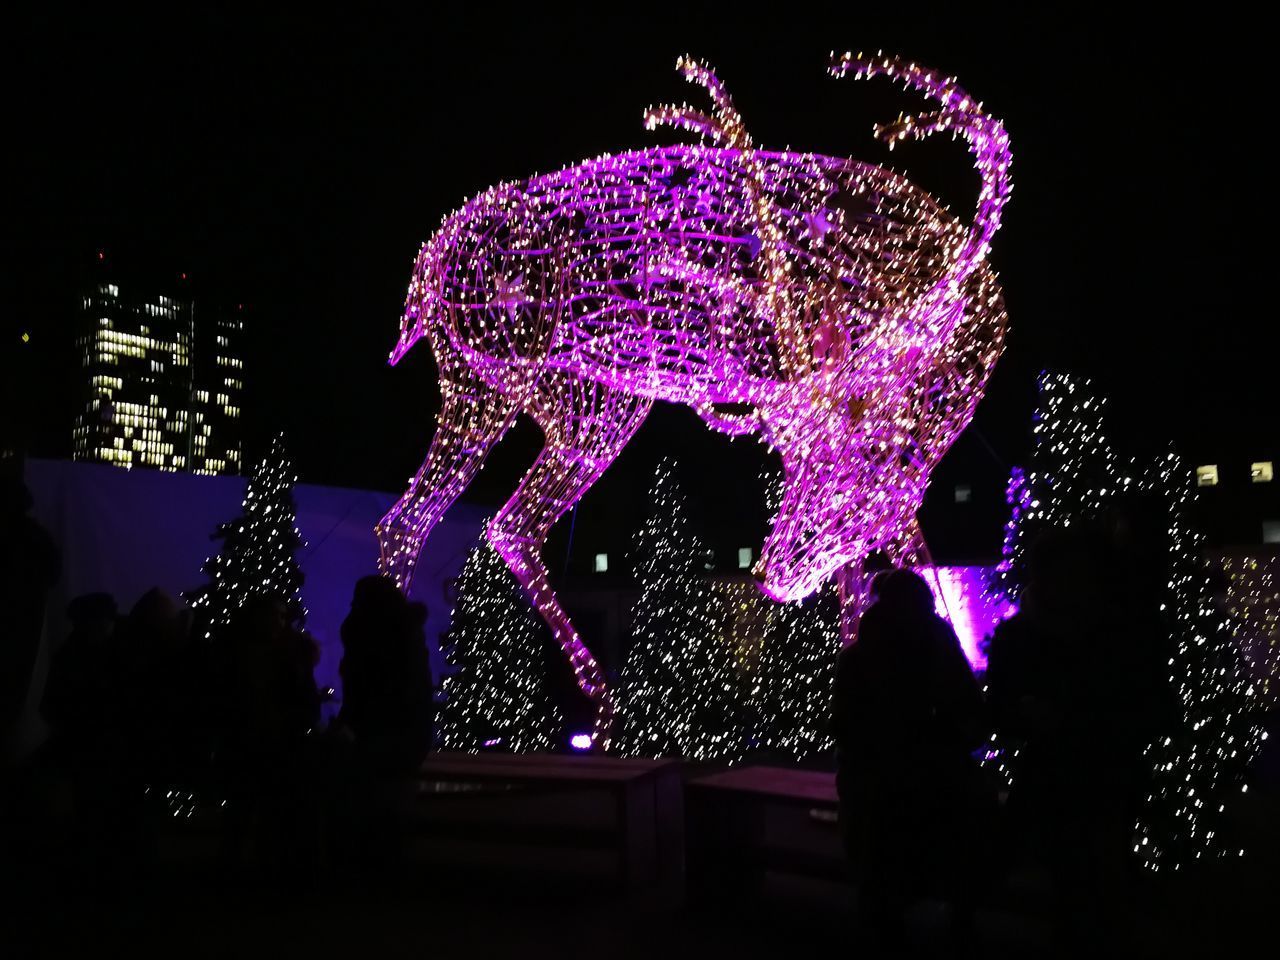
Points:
(147, 721)
(151, 715)
(154, 715)
(1076, 687)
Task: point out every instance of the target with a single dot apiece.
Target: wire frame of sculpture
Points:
(828, 307)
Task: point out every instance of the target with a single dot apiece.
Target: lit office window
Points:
(744, 558)
(602, 563)
(1262, 471)
(1207, 475)
(964, 493)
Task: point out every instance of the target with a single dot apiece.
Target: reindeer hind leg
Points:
(473, 417)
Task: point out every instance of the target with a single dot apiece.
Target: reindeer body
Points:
(847, 318)
(656, 288)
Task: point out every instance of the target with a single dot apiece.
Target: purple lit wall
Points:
(125, 531)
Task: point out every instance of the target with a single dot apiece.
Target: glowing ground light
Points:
(830, 308)
(580, 741)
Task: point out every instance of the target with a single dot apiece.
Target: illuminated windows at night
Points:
(1207, 475)
(601, 563)
(744, 558)
(1260, 471)
(964, 493)
(148, 368)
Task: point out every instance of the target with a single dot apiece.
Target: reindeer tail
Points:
(962, 115)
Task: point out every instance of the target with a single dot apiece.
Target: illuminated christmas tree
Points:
(497, 695)
(258, 549)
(681, 694)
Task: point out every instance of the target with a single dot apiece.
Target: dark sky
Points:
(295, 162)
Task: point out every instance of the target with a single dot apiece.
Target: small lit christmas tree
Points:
(258, 549)
(680, 695)
(497, 695)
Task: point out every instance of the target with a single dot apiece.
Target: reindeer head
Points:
(860, 420)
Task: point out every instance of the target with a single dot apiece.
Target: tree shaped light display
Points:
(497, 696)
(258, 548)
(831, 308)
(681, 694)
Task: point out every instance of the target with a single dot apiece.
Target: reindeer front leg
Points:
(586, 426)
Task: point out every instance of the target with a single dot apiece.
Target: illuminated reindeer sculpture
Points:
(829, 307)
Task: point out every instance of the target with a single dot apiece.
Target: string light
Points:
(830, 308)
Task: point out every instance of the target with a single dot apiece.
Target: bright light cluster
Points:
(828, 307)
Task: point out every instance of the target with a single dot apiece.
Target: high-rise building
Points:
(163, 378)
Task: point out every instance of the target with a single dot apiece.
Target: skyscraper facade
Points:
(163, 381)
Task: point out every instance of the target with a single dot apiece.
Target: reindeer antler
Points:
(724, 125)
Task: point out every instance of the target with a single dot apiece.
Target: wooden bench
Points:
(612, 819)
(747, 822)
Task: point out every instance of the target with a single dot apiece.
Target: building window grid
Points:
(147, 430)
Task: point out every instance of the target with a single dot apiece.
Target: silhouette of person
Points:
(387, 689)
(29, 566)
(269, 709)
(156, 687)
(78, 692)
(908, 714)
(81, 705)
(385, 726)
(1074, 684)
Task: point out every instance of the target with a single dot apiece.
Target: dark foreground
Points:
(184, 906)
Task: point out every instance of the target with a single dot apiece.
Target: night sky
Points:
(295, 164)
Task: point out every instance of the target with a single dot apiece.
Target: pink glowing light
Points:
(830, 308)
(580, 741)
(963, 597)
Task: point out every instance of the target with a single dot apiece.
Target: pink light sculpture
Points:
(828, 307)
